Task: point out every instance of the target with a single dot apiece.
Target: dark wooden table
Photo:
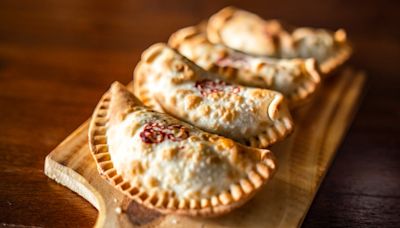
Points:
(58, 57)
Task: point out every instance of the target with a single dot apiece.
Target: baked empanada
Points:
(171, 166)
(296, 79)
(247, 32)
(169, 82)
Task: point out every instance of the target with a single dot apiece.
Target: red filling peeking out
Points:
(235, 60)
(207, 86)
(157, 132)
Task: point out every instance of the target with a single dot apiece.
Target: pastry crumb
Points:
(174, 221)
(118, 210)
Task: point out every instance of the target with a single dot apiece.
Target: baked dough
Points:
(169, 82)
(247, 32)
(297, 79)
(171, 166)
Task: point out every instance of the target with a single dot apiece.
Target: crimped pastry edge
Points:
(257, 177)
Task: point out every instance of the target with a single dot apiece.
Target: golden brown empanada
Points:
(296, 79)
(171, 166)
(247, 32)
(169, 82)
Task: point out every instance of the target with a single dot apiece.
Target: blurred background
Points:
(58, 57)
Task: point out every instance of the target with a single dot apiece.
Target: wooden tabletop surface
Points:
(58, 57)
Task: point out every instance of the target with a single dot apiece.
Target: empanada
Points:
(171, 166)
(169, 82)
(247, 32)
(296, 79)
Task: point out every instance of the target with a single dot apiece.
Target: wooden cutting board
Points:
(303, 160)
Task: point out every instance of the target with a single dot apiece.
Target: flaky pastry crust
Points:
(168, 165)
(169, 82)
(247, 32)
(297, 79)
